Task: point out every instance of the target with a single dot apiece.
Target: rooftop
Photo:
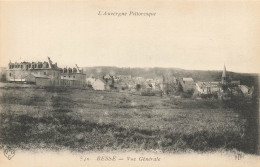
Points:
(187, 79)
(208, 84)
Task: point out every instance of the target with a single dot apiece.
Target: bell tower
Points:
(224, 76)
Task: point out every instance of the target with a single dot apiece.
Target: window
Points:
(21, 66)
(74, 76)
(10, 74)
(64, 76)
(45, 73)
(69, 76)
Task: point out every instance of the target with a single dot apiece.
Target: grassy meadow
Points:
(87, 120)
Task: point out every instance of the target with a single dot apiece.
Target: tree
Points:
(138, 87)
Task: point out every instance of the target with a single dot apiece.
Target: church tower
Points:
(224, 76)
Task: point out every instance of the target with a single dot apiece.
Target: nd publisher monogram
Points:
(9, 153)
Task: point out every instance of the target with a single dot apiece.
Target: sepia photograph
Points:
(129, 83)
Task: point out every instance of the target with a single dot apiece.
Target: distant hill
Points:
(156, 72)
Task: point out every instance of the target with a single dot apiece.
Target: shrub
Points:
(3, 78)
(204, 96)
(138, 87)
(187, 94)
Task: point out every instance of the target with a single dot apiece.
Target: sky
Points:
(188, 35)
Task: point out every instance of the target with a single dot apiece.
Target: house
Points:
(109, 81)
(45, 74)
(139, 80)
(97, 84)
(107, 77)
(208, 87)
(234, 83)
(28, 72)
(123, 77)
(72, 77)
(247, 92)
(169, 84)
(43, 81)
(244, 89)
(40, 80)
(187, 84)
(90, 80)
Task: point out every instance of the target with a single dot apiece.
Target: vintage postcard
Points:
(129, 83)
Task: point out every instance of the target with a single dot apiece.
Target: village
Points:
(48, 74)
(45, 106)
(129, 82)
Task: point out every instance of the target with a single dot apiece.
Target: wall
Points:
(23, 75)
(43, 82)
(56, 78)
(16, 75)
(73, 79)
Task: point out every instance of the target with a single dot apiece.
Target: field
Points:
(87, 120)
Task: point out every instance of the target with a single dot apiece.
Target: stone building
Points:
(44, 74)
(39, 73)
(187, 84)
(72, 77)
(208, 87)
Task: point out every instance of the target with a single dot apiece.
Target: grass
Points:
(86, 120)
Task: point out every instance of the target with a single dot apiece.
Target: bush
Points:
(3, 78)
(147, 93)
(187, 94)
(138, 87)
(205, 96)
